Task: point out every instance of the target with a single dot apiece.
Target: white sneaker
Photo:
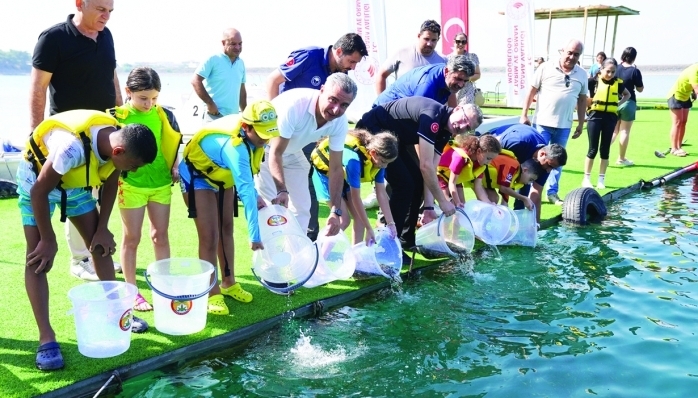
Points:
(600, 185)
(625, 162)
(117, 266)
(587, 184)
(370, 201)
(84, 269)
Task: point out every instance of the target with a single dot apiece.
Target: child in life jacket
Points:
(504, 176)
(365, 158)
(219, 161)
(67, 153)
(149, 188)
(602, 115)
(463, 164)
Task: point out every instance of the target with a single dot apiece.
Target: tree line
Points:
(15, 62)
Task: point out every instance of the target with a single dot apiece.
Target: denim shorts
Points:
(626, 112)
(200, 182)
(676, 104)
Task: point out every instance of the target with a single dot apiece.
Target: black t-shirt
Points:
(82, 69)
(411, 118)
(631, 77)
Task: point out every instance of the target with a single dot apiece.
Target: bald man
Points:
(220, 80)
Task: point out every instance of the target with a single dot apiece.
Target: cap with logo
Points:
(262, 116)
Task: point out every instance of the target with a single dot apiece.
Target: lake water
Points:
(606, 310)
(177, 92)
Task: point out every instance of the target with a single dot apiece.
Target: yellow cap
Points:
(262, 116)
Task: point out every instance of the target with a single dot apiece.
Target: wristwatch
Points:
(337, 211)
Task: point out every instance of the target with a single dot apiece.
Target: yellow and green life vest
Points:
(78, 123)
(606, 96)
(171, 138)
(320, 157)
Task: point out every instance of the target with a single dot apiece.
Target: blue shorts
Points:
(322, 187)
(80, 201)
(626, 112)
(200, 181)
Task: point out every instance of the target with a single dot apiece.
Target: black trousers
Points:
(407, 185)
(600, 126)
(313, 225)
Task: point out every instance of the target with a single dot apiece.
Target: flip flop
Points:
(140, 300)
(49, 357)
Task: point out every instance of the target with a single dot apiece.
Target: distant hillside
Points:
(176, 67)
(15, 62)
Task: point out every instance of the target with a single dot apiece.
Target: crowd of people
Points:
(416, 145)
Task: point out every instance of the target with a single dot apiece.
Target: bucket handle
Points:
(458, 209)
(184, 297)
(288, 289)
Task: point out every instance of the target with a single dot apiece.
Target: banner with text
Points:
(367, 18)
(519, 50)
(454, 19)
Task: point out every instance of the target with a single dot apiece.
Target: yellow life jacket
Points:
(77, 122)
(171, 137)
(467, 174)
(606, 96)
(320, 157)
(492, 172)
(196, 158)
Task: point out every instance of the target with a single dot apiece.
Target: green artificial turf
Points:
(19, 336)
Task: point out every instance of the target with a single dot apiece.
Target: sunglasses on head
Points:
(567, 80)
(461, 41)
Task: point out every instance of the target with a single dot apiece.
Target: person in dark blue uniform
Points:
(439, 82)
(429, 125)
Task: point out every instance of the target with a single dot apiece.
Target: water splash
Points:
(307, 355)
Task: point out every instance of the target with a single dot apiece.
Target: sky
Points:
(190, 30)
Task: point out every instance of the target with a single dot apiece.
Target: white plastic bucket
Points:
(491, 223)
(434, 239)
(383, 258)
(278, 220)
(289, 257)
(331, 262)
(527, 234)
(513, 226)
(103, 316)
(180, 293)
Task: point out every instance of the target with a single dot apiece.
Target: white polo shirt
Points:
(295, 110)
(556, 99)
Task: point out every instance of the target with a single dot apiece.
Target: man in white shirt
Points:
(560, 87)
(305, 116)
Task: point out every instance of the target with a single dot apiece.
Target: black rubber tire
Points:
(8, 189)
(583, 206)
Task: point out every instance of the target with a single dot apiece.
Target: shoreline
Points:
(182, 68)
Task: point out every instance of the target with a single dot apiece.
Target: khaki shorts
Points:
(130, 197)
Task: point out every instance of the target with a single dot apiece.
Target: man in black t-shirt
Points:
(428, 125)
(76, 61)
